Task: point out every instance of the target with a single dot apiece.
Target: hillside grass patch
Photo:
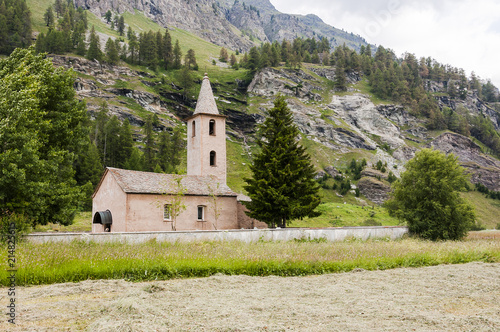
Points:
(487, 209)
(81, 223)
(338, 214)
(78, 260)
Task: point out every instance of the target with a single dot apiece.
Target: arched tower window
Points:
(194, 128)
(211, 127)
(212, 158)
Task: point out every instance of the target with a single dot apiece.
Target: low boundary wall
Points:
(245, 235)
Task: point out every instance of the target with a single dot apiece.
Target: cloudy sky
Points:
(462, 33)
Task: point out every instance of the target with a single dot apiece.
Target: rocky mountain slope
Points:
(237, 25)
(334, 126)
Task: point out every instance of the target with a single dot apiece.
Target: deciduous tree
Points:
(41, 130)
(427, 197)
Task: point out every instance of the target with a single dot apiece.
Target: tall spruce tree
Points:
(94, 51)
(282, 187)
(177, 55)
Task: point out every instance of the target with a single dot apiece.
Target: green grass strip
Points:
(76, 261)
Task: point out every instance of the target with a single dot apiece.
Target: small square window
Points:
(201, 213)
(167, 212)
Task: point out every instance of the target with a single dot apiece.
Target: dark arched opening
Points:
(212, 158)
(104, 218)
(211, 127)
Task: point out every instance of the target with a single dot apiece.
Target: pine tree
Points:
(223, 56)
(167, 52)
(253, 62)
(149, 142)
(48, 17)
(94, 51)
(177, 55)
(121, 26)
(126, 142)
(282, 187)
(108, 16)
(190, 59)
(112, 54)
(133, 46)
(233, 61)
(340, 78)
(80, 47)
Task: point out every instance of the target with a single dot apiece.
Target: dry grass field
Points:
(463, 297)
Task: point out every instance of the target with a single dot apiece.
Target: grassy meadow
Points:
(78, 260)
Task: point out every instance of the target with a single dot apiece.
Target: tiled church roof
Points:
(136, 182)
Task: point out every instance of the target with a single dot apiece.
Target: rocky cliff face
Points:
(482, 168)
(260, 19)
(201, 17)
(345, 122)
(219, 21)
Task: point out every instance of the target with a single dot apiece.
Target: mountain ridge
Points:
(238, 25)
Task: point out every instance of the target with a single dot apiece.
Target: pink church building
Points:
(133, 201)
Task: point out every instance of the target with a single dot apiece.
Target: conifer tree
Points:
(121, 26)
(190, 59)
(80, 47)
(340, 78)
(167, 50)
(48, 17)
(282, 187)
(108, 16)
(223, 56)
(94, 51)
(149, 142)
(177, 55)
(112, 54)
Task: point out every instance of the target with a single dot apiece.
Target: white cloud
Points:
(463, 33)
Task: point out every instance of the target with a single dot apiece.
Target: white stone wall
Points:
(248, 235)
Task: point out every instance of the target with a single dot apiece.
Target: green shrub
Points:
(13, 224)
(477, 226)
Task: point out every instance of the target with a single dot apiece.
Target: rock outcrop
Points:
(482, 168)
(367, 119)
(373, 189)
(270, 82)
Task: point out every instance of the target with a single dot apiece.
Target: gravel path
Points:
(439, 298)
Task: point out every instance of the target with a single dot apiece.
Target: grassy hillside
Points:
(487, 209)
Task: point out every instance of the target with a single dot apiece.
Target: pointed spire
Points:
(206, 102)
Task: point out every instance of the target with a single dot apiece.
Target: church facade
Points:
(134, 201)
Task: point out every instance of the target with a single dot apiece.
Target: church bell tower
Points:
(206, 137)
